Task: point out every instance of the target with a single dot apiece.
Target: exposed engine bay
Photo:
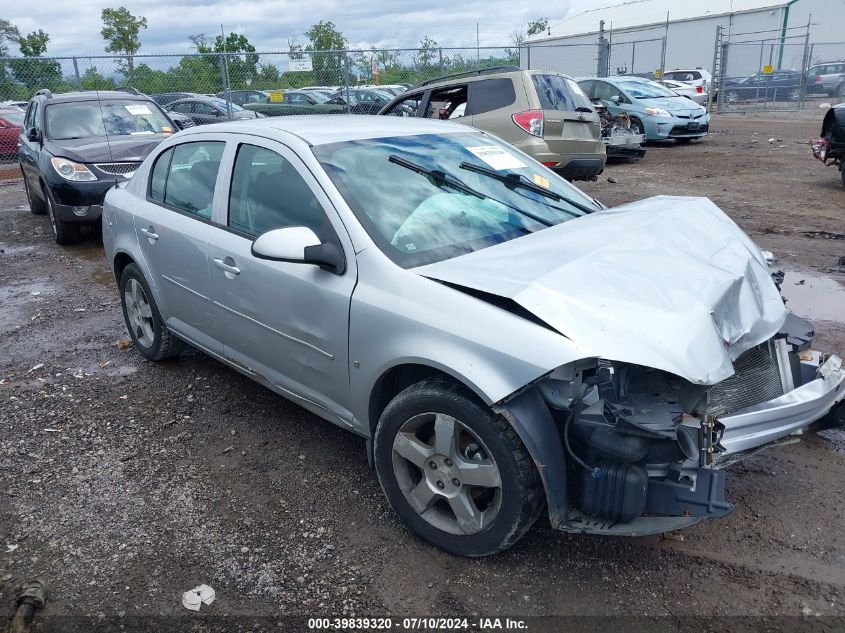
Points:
(644, 443)
(621, 137)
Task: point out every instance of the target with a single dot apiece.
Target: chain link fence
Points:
(772, 71)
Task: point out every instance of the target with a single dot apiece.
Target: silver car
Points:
(506, 344)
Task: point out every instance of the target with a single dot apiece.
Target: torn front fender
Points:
(529, 416)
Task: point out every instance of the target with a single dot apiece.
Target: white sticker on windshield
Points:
(138, 109)
(496, 157)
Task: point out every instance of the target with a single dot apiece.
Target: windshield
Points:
(417, 218)
(221, 103)
(644, 89)
(12, 116)
(87, 119)
(319, 97)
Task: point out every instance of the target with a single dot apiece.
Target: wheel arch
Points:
(121, 260)
(526, 411)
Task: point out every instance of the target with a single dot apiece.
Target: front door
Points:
(286, 324)
(173, 225)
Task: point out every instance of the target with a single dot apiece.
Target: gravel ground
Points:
(124, 483)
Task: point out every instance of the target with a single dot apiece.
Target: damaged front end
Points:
(618, 133)
(645, 449)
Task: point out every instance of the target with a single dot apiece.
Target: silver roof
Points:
(321, 129)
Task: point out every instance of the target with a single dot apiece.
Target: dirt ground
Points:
(124, 483)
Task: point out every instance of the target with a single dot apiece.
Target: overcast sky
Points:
(74, 27)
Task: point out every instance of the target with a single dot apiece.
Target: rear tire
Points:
(36, 205)
(840, 92)
(478, 503)
(63, 232)
(150, 336)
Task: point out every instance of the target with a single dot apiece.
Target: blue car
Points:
(658, 112)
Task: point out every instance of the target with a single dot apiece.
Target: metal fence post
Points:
(723, 64)
(440, 53)
(76, 72)
(633, 56)
(346, 78)
(714, 68)
(805, 66)
(224, 75)
(604, 52)
(528, 56)
(663, 57)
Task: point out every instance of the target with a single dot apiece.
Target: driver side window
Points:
(605, 92)
(268, 193)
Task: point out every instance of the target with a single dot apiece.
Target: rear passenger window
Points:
(490, 94)
(185, 176)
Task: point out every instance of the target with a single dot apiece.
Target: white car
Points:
(691, 76)
(696, 93)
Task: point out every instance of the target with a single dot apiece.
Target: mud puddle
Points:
(813, 297)
(18, 303)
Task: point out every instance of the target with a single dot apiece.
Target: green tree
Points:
(120, 30)
(92, 80)
(241, 58)
(36, 73)
(8, 35)
(328, 66)
(427, 59)
(537, 26)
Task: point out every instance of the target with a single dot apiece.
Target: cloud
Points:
(74, 28)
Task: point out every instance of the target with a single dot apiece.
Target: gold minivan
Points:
(544, 114)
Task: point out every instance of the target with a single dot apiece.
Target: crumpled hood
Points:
(667, 282)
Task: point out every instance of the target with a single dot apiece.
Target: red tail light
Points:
(818, 79)
(531, 121)
(699, 89)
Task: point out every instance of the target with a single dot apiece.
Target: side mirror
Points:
(615, 99)
(299, 244)
(33, 135)
(177, 123)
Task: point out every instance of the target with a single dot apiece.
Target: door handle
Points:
(151, 234)
(230, 269)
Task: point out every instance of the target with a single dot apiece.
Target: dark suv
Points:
(75, 146)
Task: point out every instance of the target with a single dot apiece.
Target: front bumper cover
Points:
(766, 422)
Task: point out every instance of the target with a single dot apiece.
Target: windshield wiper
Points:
(439, 176)
(436, 175)
(514, 180)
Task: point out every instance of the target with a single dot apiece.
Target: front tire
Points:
(63, 232)
(454, 471)
(150, 335)
(36, 205)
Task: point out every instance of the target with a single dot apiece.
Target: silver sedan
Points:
(506, 344)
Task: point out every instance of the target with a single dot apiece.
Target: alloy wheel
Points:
(139, 313)
(447, 474)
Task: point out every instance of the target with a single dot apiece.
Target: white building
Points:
(635, 30)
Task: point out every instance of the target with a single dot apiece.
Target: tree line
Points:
(232, 56)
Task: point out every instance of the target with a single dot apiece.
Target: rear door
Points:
(491, 105)
(173, 226)
(29, 150)
(570, 124)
